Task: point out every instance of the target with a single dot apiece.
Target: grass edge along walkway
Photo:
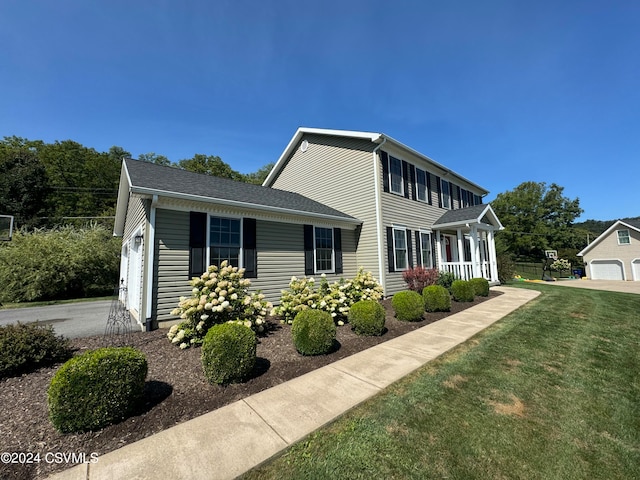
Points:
(552, 391)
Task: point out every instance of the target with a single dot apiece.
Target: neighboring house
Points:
(414, 211)
(334, 201)
(615, 255)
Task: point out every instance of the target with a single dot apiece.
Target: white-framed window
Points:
(396, 182)
(446, 194)
(425, 250)
(225, 240)
(623, 237)
(400, 251)
(324, 252)
(421, 185)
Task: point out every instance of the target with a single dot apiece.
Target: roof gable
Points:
(478, 214)
(632, 224)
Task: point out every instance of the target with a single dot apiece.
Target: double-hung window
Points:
(324, 258)
(395, 175)
(400, 252)
(224, 241)
(425, 250)
(421, 185)
(623, 237)
(446, 194)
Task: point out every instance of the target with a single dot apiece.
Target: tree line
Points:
(48, 184)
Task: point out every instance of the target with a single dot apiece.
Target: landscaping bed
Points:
(176, 390)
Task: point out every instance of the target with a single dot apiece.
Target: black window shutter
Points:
(433, 251)
(418, 249)
(197, 243)
(409, 248)
(337, 248)
(412, 179)
(405, 178)
(250, 253)
(390, 256)
(429, 199)
(385, 170)
(438, 191)
(308, 250)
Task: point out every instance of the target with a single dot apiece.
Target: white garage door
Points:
(606, 270)
(635, 265)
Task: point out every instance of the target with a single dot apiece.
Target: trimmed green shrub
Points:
(27, 346)
(228, 353)
(446, 279)
(314, 332)
(480, 287)
(408, 306)
(367, 318)
(96, 389)
(462, 291)
(436, 299)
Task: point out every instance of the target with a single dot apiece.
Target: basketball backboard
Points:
(6, 227)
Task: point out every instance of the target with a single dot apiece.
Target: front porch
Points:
(465, 243)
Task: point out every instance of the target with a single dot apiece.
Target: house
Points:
(334, 201)
(615, 254)
(414, 211)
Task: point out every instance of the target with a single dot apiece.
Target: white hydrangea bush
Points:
(561, 265)
(220, 295)
(335, 298)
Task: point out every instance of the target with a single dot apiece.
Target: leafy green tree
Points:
(260, 176)
(23, 183)
(152, 157)
(210, 165)
(537, 217)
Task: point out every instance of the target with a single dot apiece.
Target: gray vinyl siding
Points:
(338, 172)
(137, 213)
(171, 263)
(281, 255)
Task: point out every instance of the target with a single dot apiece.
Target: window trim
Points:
(428, 234)
(398, 228)
(315, 250)
(241, 248)
(402, 181)
(628, 236)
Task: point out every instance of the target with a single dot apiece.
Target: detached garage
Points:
(615, 255)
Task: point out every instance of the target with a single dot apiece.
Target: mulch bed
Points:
(176, 390)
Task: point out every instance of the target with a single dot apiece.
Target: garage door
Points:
(635, 266)
(606, 270)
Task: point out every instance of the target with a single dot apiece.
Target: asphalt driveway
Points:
(72, 320)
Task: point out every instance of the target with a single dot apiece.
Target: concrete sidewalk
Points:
(233, 439)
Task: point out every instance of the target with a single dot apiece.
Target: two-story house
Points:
(334, 201)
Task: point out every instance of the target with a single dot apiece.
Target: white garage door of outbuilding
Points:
(607, 270)
(635, 266)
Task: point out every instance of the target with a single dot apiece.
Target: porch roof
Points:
(481, 214)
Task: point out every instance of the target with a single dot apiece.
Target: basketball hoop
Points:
(551, 254)
(6, 227)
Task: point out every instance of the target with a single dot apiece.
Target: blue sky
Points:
(500, 91)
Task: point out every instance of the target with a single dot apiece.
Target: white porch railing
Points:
(464, 270)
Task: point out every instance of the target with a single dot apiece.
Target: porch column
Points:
(438, 252)
(475, 252)
(493, 258)
(461, 270)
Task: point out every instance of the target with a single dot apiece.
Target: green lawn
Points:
(550, 392)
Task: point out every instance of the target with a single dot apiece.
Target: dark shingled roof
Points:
(462, 215)
(171, 180)
(634, 222)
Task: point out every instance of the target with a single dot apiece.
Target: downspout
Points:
(379, 225)
(148, 284)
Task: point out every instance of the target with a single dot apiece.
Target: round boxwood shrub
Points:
(462, 291)
(436, 299)
(96, 389)
(313, 331)
(408, 306)
(480, 287)
(228, 353)
(367, 318)
(27, 346)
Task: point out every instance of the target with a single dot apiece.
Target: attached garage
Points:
(607, 270)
